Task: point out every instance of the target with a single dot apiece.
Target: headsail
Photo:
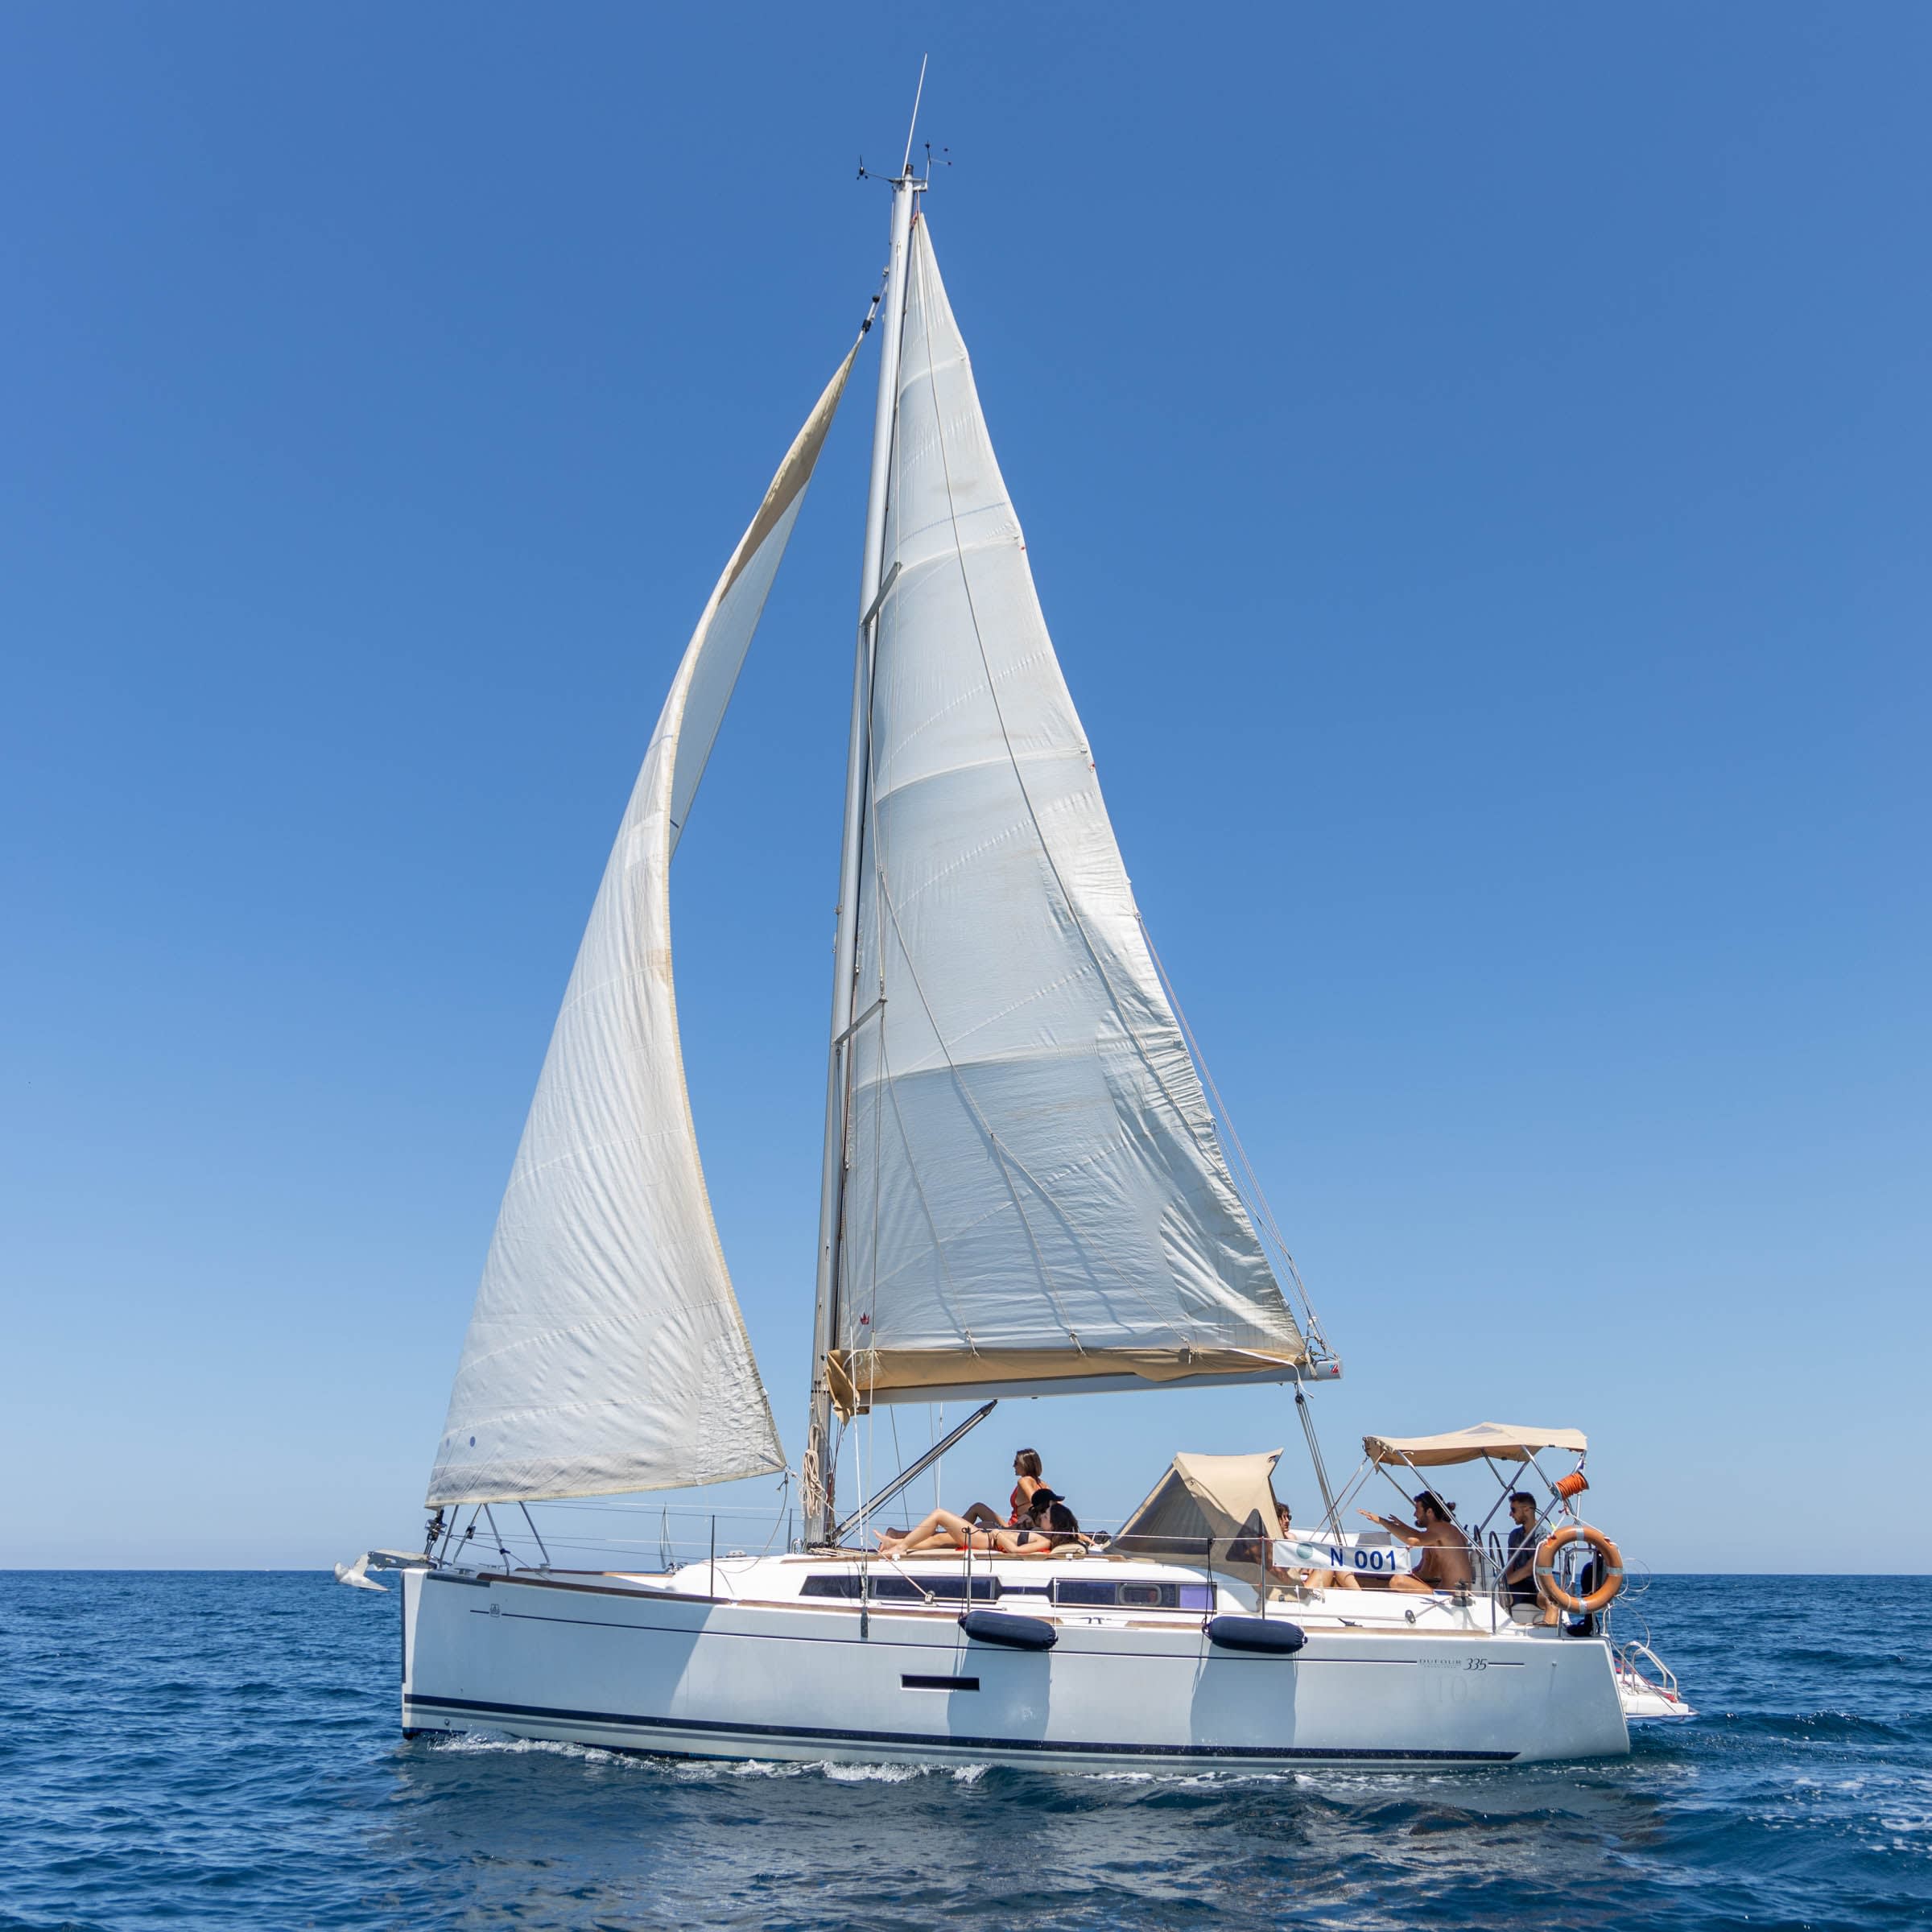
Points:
(1034, 1193)
(606, 1351)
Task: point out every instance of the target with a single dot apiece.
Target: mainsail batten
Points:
(1034, 1191)
(606, 1352)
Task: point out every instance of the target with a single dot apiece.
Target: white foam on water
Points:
(483, 1743)
(837, 1772)
(869, 1774)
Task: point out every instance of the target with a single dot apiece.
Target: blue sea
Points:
(220, 1749)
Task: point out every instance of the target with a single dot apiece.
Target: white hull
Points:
(633, 1666)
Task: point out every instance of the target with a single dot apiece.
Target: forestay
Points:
(606, 1351)
(1034, 1192)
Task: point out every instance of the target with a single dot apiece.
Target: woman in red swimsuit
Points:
(1027, 1478)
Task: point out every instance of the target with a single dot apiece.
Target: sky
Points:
(1474, 465)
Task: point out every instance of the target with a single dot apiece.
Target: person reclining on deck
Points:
(1057, 1524)
(940, 1529)
(1445, 1563)
(1049, 1530)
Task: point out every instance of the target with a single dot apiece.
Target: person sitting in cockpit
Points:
(1519, 1566)
(1445, 1563)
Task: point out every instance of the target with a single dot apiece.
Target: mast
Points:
(817, 1471)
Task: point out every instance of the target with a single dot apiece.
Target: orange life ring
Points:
(1607, 1552)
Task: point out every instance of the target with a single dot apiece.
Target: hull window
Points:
(1077, 1592)
(850, 1586)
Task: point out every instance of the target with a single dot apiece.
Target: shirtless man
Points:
(1445, 1563)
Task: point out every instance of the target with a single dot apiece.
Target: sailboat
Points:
(1025, 1192)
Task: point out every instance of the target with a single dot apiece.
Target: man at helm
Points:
(1519, 1566)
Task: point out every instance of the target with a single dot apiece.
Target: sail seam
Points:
(886, 907)
(1008, 1162)
(1057, 754)
(1006, 738)
(932, 1226)
(885, 900)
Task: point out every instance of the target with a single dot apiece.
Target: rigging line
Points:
(869, 638)
(863, 1462)
(1206, 1073)
(784, 1489)
(532, 1521)
(884, 907)
(1006, 737)
(662, 886)
(1067, 899)
(932, 1227)
(885, 904)
(878, 1145)
(1005, 1160)
(1267, 1213)
(1314, 1456)
(1002, 1156)
(882, 901)
(509, 1562)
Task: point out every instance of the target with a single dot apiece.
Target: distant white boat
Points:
(1024, 1192)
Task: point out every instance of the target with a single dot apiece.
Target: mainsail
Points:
(1034, 1193)
(606, 1351)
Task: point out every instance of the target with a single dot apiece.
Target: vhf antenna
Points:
(912, 127)
(906, 173)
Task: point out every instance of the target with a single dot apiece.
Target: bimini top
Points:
(1500, 1442)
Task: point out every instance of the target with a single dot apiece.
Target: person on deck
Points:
(1445, 1563)
(1308, 1580)
(1057, 1523)
(1051, 1529)
(943, 1529)
(1519, 1566)
(1027, 1479)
